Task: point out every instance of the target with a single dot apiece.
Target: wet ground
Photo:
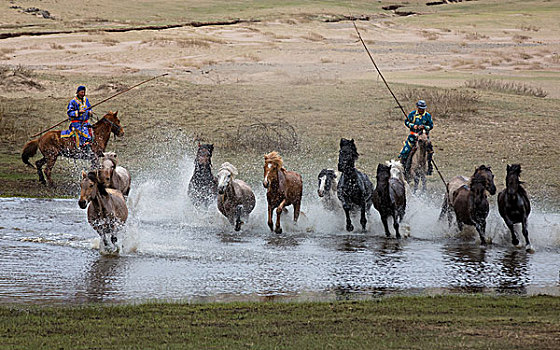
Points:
(50, 254)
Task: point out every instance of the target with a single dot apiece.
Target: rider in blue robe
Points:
(79, 112)
(417, 121)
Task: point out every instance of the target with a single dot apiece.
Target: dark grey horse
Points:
(354, 190)
(514, 205)
(389, 198)
(203, 187)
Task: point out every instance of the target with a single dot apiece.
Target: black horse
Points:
(354, 188)
(514, 205)
(203, 187)
(389, 198)
(470, 201)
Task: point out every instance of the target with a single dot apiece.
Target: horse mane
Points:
(227, 166)
(275, 159)
(477, 178)
(325, 172)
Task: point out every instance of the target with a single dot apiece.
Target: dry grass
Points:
(56, 46)
(529, 28)
(109, 41)
(518, 38)
(508, 87)
(312, 36)
(263, 137)
(429, 35)
(475, 36)
(445, 103)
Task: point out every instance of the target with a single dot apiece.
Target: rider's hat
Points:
(80, 88)
(421, 104)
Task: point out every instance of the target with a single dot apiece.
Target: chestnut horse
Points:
(283, 188)
(419, 162)
(389, 198)
(470, 201)
(107, 210)
(52, 145)
(514, 205)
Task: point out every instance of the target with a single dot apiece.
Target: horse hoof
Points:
(350, 228)
(515, 243)
(237, 227)
(529, 249)
(278, 230)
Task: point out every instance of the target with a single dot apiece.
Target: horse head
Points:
(347, 155)
(226, 174)
(483, 174)
(272, 165)
(204, 155)
(113, 120)
(89, 188)
(512, 178)
(326, 178)
(422, 140)
(383, 173)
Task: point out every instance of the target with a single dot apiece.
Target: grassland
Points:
(442, 322)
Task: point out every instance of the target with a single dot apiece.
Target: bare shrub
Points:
(429, 35)
(56, 46)
(509, 87)
(109, 41)
(17, 78)
(529, 28)
(262, 137)
(520, 38)
(444, 103)
(475, 36)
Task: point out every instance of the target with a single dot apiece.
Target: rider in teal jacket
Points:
(417, 121)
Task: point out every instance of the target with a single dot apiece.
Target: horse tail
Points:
(29, 150)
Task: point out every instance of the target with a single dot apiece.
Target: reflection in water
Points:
(515, 272)
(101, 277)
(466, 266)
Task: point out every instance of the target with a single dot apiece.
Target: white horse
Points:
(328, 183)
(397, 172)
(236, 199)
(107, 210)
(112, 175)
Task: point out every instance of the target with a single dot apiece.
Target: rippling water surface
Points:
(48, 253)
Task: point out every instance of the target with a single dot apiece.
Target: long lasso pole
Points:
(105, 100)
(387, 85)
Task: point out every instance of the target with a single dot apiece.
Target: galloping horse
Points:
(113, 175)
(203, 187)
(470, 201)
(328, 182)
(419, 162)
(354, 188)
(236, 200)
(283, 188)
(514, 205)
(107, 209)
(389, 198)
(52, 145)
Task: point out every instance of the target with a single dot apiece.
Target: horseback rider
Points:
(417, 121)
(79, 112)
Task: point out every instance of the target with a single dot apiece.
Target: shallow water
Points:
(49, 254)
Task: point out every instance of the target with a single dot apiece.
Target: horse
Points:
(514, 205)
(52, 145)
(113, 175)
(107, 210)
(203, 186)
(397, 172)
(354, 188)
(419, 162)
(236, 199)
(328, 182)
(470, 201)
(389, 198)
(283, 188)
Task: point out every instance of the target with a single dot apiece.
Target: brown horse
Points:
(470, 201)
(283, 188)
(113, 175)
(236, 199)
(389, 198)
(107, 209)
(419, 162)
(52, 145)
(514, 205)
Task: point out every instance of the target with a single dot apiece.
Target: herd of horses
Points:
(104, 188)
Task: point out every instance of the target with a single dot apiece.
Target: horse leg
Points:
(396, 224)
(511, 228)
(363, 219)
(270, 225)
(423, 182)
(385, 226)
(238, 212)
(48, 170)
(526, 234)
(297, 207)
(481, 228)
(416, 181)
(39, 164)
(444, 208)
(278, 229)
(349, 226)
